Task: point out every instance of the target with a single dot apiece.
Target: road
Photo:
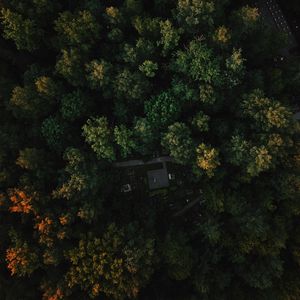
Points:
(272, 14)
(139, 162)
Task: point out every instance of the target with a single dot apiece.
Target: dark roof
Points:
(158, 179)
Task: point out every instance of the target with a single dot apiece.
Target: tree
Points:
(207, 94)
(178, 256)
(21, 201)
(235, 68)
(145, 135)
(78, 29)
(26, 103)
(70, 66)
(115, 264)
(222, 35)
(98, 73)
(24, 32)
(30, 158)
(73, 105)
(169, 36)
(200, 121)
(86, 83)
(130, 85)
(264, 155)
(124, 138)
(46, 87)
(179, 143)
(191, 13)
(162, 110)
(148, 68)
(53, 131)
(266, 113)
(248, 17)
(21, 259)
(198, 63)
(97, 133)
(261, 160)
(146, 27)
(80, 181)
(184, 91)
(207, 159)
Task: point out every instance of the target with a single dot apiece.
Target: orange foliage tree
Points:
(21, 201)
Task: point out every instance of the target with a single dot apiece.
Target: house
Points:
(158, 179)
(154, 171)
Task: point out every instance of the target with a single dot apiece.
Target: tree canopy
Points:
(102, 100)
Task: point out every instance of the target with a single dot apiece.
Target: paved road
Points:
(129, 163)
(139, 162)
(271, 12)
(160, 159)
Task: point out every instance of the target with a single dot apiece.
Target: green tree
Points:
(207, 94)
(200, 121)
(145, 135)
(162, 110)
(73, 105)
(178, 256)
(253, 159)
(124, 138)
(53, 132)
(191, 13)
(179, 143)
(98, 134)
(130, 85)
(235, 67)
(148, 68)
(169, 36)
(199, 63)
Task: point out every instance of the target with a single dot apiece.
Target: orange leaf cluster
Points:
(21, 202)
(44, 226)
(16, 259)
(57, 295)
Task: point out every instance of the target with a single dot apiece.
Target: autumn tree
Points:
(24, 32)
(115, 264)
(21, 258)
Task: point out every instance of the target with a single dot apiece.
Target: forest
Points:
(200, 92)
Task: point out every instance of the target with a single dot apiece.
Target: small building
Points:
(158, 179)
(154, 172)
